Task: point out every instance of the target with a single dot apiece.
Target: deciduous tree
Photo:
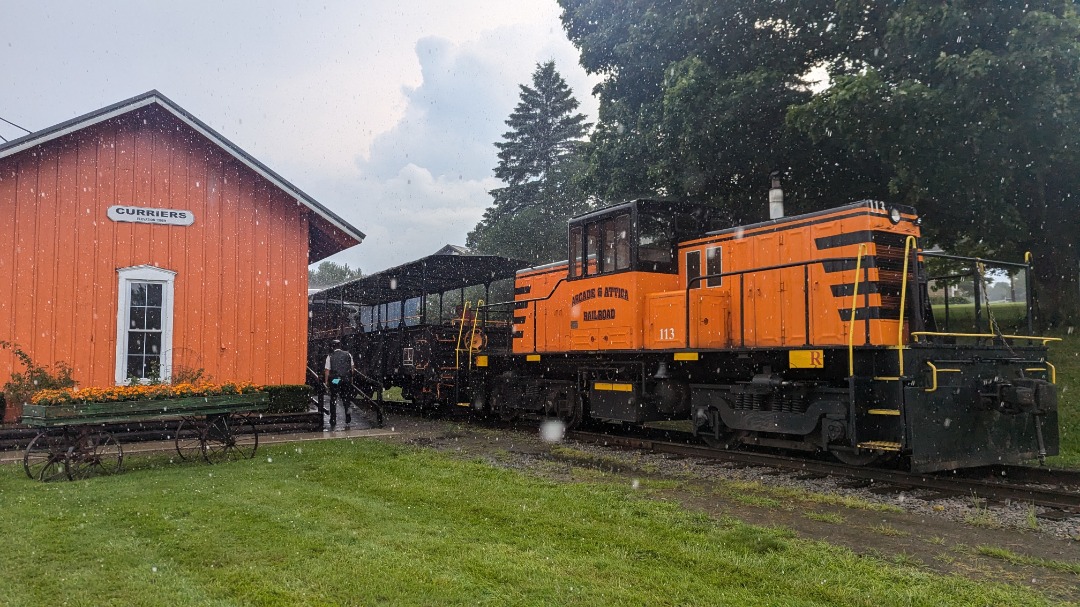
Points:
(965, 109)
(330, 273)
(971, 109)
(695, 97)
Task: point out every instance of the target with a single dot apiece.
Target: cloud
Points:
(385, 112)
(451, 119)
(424, 182)
(454, 117)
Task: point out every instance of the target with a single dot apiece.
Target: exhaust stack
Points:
(776, 198)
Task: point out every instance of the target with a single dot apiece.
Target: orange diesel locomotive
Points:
(812, 332)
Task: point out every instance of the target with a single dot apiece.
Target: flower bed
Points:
(73, 396)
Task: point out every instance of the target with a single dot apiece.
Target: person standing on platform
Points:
(338, 375)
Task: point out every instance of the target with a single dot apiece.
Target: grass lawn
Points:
(366, 523)
(1065, 355)
(1011, 317)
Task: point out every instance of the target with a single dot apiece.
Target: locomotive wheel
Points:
(480, 403)
(230, 438)
(44, 458)
(563, 404)
(728, 437)
(508, 415)
(95, 453)
(860, 458)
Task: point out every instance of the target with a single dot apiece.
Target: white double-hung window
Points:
(144, 324)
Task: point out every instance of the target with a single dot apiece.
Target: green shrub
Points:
(289, 398)
(22, 386)
(189, 375)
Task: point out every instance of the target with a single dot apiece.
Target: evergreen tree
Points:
(539, 163)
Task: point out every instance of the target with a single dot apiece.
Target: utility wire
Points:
(13, 124)
(28, 131)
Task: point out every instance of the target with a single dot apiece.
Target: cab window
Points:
(576, 257)
(713, 266)
(655, 250)
(592, 249)
(622, 242)
(609, 245)
(693, 269)
(616, 243)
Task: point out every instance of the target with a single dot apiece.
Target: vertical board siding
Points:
(7, 259)
(82, 333)
(241, 268)
(25, 241)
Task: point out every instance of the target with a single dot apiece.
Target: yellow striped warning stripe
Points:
(613, 387)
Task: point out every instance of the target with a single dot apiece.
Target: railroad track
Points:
(994, 484)
(1026, 474)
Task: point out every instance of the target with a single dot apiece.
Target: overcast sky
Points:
(385, 111)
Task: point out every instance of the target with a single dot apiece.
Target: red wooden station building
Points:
(137, 242)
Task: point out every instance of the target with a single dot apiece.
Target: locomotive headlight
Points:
(894, 215)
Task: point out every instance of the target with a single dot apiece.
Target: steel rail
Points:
(951, 484)
(1026, 474)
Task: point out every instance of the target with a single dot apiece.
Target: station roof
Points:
(327, 244)
(436, 273)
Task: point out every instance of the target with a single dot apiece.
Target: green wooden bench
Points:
(72, 443)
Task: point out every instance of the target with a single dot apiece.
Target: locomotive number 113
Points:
(667, 333)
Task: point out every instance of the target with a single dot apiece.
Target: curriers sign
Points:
(171, 217)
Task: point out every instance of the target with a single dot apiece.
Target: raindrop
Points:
(552, 430)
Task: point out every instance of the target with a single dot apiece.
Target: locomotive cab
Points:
(618, 256)
(637, 236)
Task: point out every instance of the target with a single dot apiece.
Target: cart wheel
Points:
(189, 441)
(44, 458)
(229, 438)
(94, 453)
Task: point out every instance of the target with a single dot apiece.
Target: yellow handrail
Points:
(1045, 340)
(472, 331)
(461, 328)
(461, 331)
(909, 242)
(1050, 371)
(854, 301)
(933, 377)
